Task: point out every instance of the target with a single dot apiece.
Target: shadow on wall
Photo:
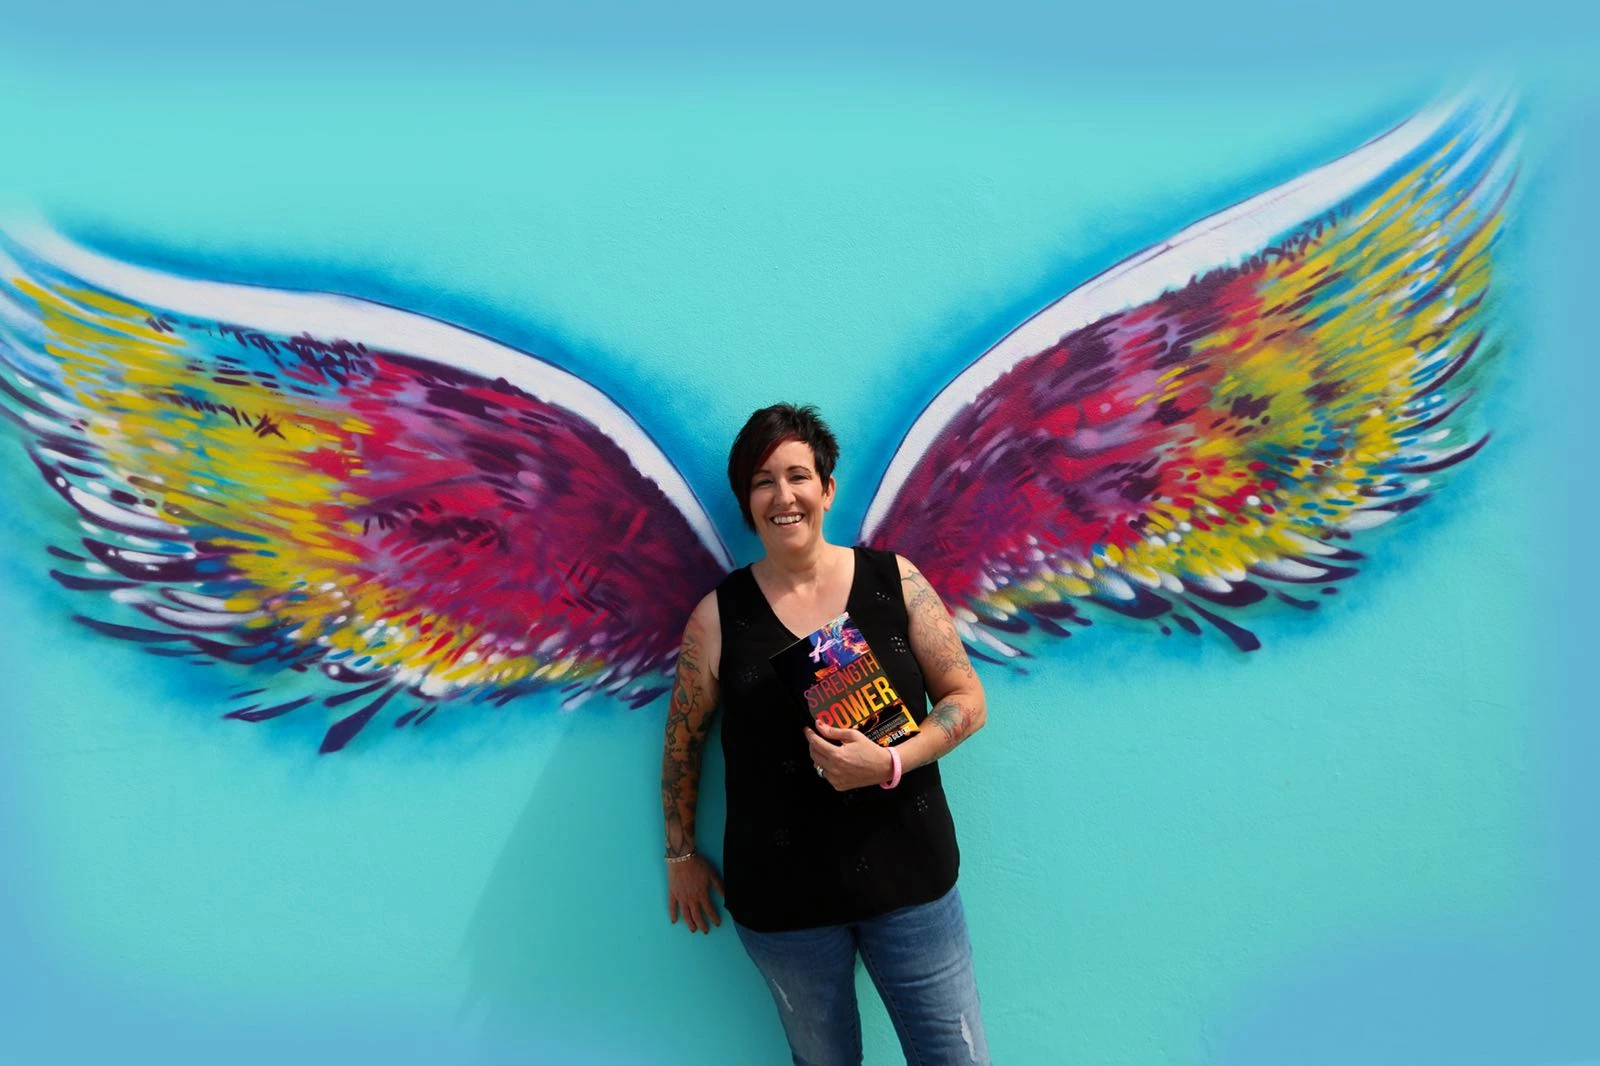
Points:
(570, 944)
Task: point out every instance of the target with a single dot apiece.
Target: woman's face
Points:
(788, 500)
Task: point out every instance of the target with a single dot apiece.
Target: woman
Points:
(834, 846)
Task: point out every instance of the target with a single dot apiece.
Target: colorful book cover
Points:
(838, 680)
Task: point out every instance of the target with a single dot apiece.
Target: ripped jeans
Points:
(918, 957)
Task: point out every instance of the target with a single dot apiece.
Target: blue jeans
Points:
(918, 957)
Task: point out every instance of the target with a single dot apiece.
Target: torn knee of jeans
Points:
(966, 1034)
(776, 987)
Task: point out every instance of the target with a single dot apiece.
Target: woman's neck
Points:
(793, 571)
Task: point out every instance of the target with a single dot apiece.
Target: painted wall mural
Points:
(363, 421)
(361, 509)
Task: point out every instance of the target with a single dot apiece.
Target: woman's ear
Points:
(827, 494)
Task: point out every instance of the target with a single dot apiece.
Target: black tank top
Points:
(796, 853)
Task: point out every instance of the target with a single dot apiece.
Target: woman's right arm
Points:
(691, 878)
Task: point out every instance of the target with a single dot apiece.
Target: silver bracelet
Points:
(685, 857)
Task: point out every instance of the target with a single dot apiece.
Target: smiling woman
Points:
(835, 846)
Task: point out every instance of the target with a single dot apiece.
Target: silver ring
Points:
(820, 771)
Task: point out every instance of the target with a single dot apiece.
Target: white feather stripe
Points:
(1291, 570)
(203, 619)
(214, 604)
(1306, 545)
(62, 457)
(1231, 571)
(120, 517)
(1114, 585)
(989, 640)
(1208, 581)
(142, 558)
(1370, 518)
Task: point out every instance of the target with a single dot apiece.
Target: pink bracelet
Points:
(894, 778)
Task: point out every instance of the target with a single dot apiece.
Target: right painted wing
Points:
(1217, 419)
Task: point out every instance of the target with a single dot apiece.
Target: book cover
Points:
(837, 679)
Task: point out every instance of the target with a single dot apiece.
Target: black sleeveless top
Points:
(798, 854)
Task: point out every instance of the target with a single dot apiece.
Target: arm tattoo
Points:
(959, 714)
(928, 616)
(917, 592)
(688, 722)
(954, 719)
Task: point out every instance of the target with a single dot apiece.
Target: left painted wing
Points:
(1213, 420)
(350, 502)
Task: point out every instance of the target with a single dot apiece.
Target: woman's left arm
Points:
(959, 707)
(849, 760)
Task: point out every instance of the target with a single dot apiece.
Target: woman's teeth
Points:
(787, 520)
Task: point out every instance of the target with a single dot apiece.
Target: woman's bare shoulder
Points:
(704, 630)
(705, 613)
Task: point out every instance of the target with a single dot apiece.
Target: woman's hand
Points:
(689, 885)
(847, 759)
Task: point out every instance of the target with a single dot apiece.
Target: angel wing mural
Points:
(362, 508)
(1218, 415)
(420, 511)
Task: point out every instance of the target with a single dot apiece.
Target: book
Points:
(837, 679)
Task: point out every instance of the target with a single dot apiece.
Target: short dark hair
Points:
(760, 437)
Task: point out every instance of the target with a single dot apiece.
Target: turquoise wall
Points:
(1370, 842)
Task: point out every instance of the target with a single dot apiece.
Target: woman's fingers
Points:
(680, 902)
(840, 736)
(837, 735)
(851, 763)
(704, 914)
(827, 757)
(690, 917)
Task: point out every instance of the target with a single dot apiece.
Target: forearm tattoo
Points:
(688, 722)
(950, 716)
(937, 639)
